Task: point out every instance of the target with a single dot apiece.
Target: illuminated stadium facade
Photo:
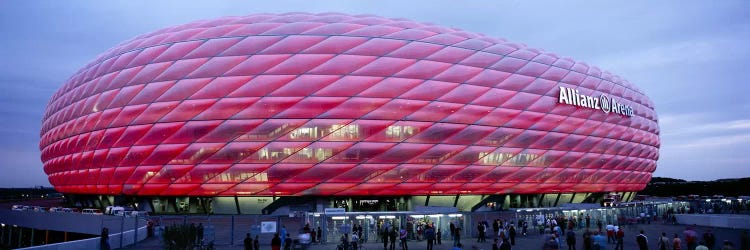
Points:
(248, 114)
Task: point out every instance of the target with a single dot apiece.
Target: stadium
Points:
(250, 114)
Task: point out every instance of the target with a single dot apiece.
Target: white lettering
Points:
(563, 98)
(573, 97)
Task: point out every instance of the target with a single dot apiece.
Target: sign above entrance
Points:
(603, 102)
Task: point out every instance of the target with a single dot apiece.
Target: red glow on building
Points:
(332, 104)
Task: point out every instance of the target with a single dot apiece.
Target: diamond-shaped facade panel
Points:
(331, 104)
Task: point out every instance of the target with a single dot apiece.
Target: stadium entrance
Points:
(370, 226)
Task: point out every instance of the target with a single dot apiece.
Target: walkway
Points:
(533, 241)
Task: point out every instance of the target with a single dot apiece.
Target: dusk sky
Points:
(690, 57)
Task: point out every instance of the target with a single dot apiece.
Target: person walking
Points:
(691, 238)
(256, 243)
(663, 243)
(676, 243)
(344, 242)
(287, 242)
(439, 237)
(355, 240)
(248, 242)
(104, 239)
(453, 232)
(550, 243)
(599, 242)
(610, 233)
(429, 234)
(319, 235)
(276, 242)
(480, 229)
(457, 237)
(642, 241)
(588, 243)
(709, 239)
(199, 234)
(392, 237)
(386, 234)
(402, 235)
(619, 238)
(504, 245)
(570, 239)
(282, 234)
(512, 234)
(525, 229)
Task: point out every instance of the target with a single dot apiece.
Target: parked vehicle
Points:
(92, 211)
(71, 210)
(114, 210)
(19, 208)
(136, 213)
(41, 209)
(56, 210)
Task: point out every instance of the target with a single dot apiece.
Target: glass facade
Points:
(332, 104)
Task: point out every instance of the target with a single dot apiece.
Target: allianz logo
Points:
(603, 102)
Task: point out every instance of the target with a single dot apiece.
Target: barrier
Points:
(734, 221)
(79, 223)
(93, 243)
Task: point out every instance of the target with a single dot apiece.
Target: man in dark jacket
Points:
(709, 239)
(505, 245)
(248, 242)
(430, 236)
(288, 242)
(276, 242)
(642, 241)
(571, 239)
(386, 234)
(392, 237)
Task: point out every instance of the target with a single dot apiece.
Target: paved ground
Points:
(533, 241)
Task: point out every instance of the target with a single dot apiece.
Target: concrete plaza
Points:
(532, 241)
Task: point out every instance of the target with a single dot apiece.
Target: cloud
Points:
(687, 126)
(717, 141)
(693, 51)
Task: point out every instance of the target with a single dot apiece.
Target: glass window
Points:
(275, 152)
(236, 174)
(400, 153)
(360, 152)
(317, 152)
(196, 152)
(271, 129)
(191, 131)
(202, 173)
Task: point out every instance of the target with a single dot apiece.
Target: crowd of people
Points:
(283, 239)
(558, 233)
